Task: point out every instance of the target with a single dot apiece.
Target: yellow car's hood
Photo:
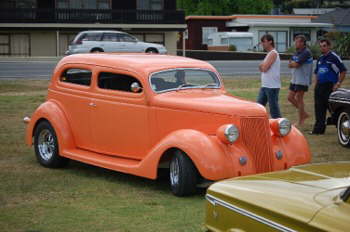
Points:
(298, 193)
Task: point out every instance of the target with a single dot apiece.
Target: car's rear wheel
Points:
(183, 175)
(96, 50)
(46, 146)
(343, 128)
(152, 50)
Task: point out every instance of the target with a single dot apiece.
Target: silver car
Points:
(111, 41)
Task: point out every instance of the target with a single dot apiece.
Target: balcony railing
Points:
(91, 16)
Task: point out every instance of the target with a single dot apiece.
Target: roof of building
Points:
(338, 17)
(231, 17)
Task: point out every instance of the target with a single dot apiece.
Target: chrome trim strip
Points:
(215, 201)
(339, 101)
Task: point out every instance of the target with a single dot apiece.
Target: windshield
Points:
(183, 79)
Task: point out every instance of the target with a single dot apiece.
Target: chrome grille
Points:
(256, 137)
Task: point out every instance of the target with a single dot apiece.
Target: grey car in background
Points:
(111, 41)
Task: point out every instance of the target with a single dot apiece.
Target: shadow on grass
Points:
(160, 185)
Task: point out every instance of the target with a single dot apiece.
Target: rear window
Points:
(88, 37)
(76, 76)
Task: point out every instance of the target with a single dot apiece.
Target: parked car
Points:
(135, 113)
(339, 106)
(111, 41)
(304, 198)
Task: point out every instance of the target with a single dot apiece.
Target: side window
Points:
(76, 76)
(126, 38)
(115, 81)
(91, 37)
(112, 37)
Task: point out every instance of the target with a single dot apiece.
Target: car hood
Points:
(297, 193)
(209, 101)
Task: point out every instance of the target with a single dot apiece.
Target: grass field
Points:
(86, 198)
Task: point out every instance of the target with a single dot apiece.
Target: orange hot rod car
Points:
(136, 113)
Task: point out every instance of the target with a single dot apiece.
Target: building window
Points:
(83, 4)
(280, 38)
(18, 4)
(150, 4)
(206, 31)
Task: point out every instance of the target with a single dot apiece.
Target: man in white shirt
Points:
(270, 77)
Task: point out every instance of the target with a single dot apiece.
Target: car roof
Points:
(103, 31)
(136, 62)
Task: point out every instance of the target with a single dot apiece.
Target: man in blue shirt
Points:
(330, 73)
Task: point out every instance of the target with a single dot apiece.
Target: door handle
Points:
(92, 104)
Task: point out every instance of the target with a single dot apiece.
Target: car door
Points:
(111, 42)
(120, 120)
(73, 94)
(130, 44)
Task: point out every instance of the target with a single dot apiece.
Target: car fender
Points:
(206, 153)
(295, 147)
(53, 113)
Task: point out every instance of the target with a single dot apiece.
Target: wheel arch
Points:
(152, 48)
(96, 49)
(206, 154)
(51, 112)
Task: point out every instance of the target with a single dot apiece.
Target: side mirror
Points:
(135, 87)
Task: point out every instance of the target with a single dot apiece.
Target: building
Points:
(45, 27)
(339, 17)
(283, 27)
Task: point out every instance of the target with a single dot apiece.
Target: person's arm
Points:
(302, 58)
(340, 65)
(340, 80)
(293, 64)
(266, 64)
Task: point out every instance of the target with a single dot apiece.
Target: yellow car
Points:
(313, 197)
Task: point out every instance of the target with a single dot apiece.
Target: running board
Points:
(105, 161)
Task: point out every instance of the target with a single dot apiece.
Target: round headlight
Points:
(231, 133)
(228, 133)
(284, 126)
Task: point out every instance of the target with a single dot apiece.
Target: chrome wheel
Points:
(174, 172)
(46, 144)
(343, 128)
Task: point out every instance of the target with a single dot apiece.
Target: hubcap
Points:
(344, 128)
(174, 172)
(46, 144)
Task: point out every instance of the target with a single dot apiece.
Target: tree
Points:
(224, 7)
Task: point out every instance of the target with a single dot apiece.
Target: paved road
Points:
(42, 68)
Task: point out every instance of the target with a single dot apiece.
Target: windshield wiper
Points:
(185, 85)
(210, 85)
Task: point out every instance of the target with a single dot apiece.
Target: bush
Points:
(232, 48)
(315, 50)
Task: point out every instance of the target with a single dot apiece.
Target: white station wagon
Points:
(111, 41)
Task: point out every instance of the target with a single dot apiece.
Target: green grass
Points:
(86, 198)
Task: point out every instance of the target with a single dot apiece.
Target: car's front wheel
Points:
(343, 128)
(183, 175)
(46, 146)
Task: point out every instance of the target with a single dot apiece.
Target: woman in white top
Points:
(270, 77)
